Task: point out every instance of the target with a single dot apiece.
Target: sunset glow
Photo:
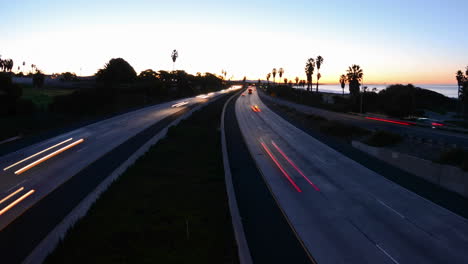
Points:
(392, 42)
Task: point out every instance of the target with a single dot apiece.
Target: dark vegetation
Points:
(456, 157)
(396, 100)
(159, 211)
(28, 110)
(333, 128)
(383, 138)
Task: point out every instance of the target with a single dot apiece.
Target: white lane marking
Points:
(82, 149)
(16, 185)
(393, 210)
(388, 255)
(8, 207)
(11, 195)
(32, 156)
(27, 167)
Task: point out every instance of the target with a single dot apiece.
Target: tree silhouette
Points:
(309, 70)
(460, 79)
(148, 75)
(318, 62)
(297, 80)
(274, 74)
(280, 73)
(38, 79)
(116, 71)
(343, 82)
(285, 80)
(268, 78)
(6, 65)
(354, 77)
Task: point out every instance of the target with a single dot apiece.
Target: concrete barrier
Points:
(448, 177)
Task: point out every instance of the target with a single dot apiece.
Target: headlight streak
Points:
(180, 104)
(32, 156)
(17, 201)
(27, 167)
(11, 195)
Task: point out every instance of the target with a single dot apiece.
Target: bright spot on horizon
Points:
(393, 41)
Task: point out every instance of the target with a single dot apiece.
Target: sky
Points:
(394, 41)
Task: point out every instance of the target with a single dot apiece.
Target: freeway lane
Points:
(421, 132)
(354, 215)
(89, 144)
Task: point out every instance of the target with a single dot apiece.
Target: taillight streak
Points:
(280, 167)
(294, 166)
(388, 121)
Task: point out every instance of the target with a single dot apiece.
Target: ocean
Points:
(450, 90)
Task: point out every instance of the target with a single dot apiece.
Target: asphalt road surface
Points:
(342, 211)
(41, 183)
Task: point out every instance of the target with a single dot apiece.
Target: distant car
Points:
(250, 90)
(243, 94)
(255, 108)
(432, 122)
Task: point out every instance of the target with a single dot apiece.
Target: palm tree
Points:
(460, 79)
(174, 57)
(280, 72)
(343, 82)
(354, 77)
(268, 78)
(318, 62)
(309, 70)
(274, 74)
(297, 80)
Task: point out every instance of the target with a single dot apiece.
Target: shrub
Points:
(383, 138)
(338, 129)
(454, 156)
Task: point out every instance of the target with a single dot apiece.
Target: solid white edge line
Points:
(243, 248)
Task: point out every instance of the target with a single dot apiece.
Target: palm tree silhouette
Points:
(297, 80)
(343, 82)
(280, 72)
(274, 74)
(318, 62)
(268, 78)
(460, 79)
(354, 77)
(174, 57)
(309, 70)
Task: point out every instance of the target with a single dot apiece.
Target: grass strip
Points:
(169, 207)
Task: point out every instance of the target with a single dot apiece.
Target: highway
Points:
(31, 173)
(436, 135)
(341, 211)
